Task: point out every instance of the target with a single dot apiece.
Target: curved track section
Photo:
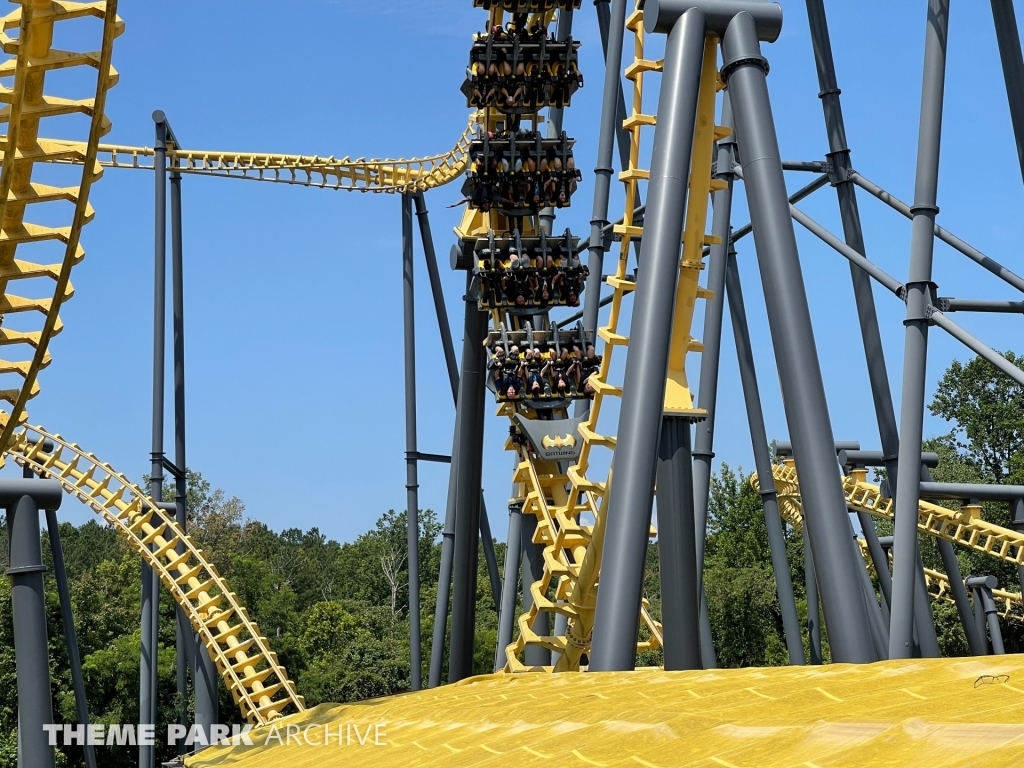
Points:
(251, 671)
(360, 175)
(952, 525)
(32, 58)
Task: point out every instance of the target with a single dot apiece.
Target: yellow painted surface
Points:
(935, 713)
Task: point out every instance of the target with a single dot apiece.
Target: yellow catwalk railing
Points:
(572, 553)
(27, 37)
(352, 175)
(250, 670)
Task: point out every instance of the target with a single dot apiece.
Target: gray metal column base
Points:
(677, 555)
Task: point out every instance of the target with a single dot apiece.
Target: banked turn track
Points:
(250, 669)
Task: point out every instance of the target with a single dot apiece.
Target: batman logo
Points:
(558, 441)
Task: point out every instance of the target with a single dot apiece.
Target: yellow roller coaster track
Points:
(572, 550)
(960, 527)
(251, 672)
(27, 105)
(360, 175)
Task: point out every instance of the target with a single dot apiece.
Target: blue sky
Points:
(293, 296)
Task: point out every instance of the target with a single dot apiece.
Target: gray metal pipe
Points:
(973, 305)
(948, 238)
(412, 485)
(444, 577)
(924, 621)
(970, 491)
(28, 606)
(467, 511)
(975, 345)
(919, 292)
(878, 559)
(839, 158)
(1012, 60)
(763, 463)
(510, 584)
(785, 447)
(70, 636)
(878, 458)
(183, 634)
(982, 587)
(630, 497)
(487, 540)
(622, 136)
(532, 564)
(661, 15)
(677, 557)
(799, 370)
(707, 390)
(813, 604)
(603, 169)
(150, 580)
(443, 326)
(975, 641)
(855, 259)
(879, 630)
(979, 620)
(205, 679)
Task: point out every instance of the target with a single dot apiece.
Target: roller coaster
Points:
(571, 598)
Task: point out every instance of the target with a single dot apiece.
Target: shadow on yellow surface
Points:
(934, 712)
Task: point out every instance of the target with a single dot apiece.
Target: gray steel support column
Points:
(70, 636)
(799, 371)
(533, 570)
(23, 500)
(879, 630)
(603, 169)
(992, 616)
(467, 509)
(443, 326)
(677, 557)
(763, 462)
(182, 631)
(878, 558)
(510, 584)
(204, 680)
(839, 156)
(924, 622)
(707, 391)
(813, 607)
(444, 577)
(975, 641)
(622, 136)
(491, 560)
(1008, 38)
(920, 290)
(411, 465)
(150, 580)
(979, 620)
(631, 498)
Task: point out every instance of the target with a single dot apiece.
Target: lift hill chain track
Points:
(31, 59)
(572, 551)
(958, 527)
(251, 671)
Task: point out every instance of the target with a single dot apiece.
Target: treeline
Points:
(337, 614)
